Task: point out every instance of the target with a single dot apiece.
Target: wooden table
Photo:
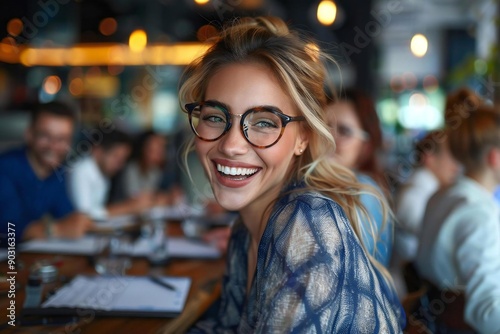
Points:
(206, 276)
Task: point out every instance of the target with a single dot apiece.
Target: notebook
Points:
(137, 296)
(177, 247)
(88, 245)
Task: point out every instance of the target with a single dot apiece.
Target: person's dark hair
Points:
(139, 144)
(475, 136)
(112, 139)
(459, 104)
(55, 108)
(364, 107)
(431, 143)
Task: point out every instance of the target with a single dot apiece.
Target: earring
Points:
(301, 150)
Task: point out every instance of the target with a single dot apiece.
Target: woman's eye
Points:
(214, 119)
(265, 124)
(345, 131)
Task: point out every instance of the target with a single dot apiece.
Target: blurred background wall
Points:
(120, 60)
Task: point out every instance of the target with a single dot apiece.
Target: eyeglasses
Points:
(262, 126)
(45, 138)
(345, 131)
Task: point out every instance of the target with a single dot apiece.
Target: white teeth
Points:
(236, 170)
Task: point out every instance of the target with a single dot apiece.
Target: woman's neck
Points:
(255, 221)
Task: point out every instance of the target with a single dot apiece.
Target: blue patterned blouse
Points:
(312, 276)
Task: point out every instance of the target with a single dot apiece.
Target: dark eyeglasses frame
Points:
(285, 119)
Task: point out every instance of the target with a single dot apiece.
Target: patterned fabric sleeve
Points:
(318, 278)
(312, 276)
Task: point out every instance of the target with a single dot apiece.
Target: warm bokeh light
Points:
(108, 26)
(76, 86)
(138, 40)
(397, 84)
(8, 45)
(419, 45)
(410, 80)
(52, 84)
(327, 12)
(201, 2)
(206, 32)
(417, 100)
(104, 55)
(94, 71)
(430, 83)
(115, 69)
(251, 4)
(15, 27)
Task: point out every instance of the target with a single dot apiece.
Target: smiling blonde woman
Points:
(255, 103)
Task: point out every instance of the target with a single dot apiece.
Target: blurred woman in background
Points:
(355, 126)
(145, 172)
(460, 240)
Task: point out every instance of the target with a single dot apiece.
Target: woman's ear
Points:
(493, 158)
(302, 141)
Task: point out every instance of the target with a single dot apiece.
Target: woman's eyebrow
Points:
(266, 106)
(220, 104)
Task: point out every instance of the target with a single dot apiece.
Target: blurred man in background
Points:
(33, 194)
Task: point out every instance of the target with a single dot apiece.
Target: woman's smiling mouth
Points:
(228, 174)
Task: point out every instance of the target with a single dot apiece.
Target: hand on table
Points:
(142, 202)
(72, 226)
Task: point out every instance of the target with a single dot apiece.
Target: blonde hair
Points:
(299, 67)
(475, 136)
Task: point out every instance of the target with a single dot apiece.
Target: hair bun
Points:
(274, 24)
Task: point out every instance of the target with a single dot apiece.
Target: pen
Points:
(159, 281)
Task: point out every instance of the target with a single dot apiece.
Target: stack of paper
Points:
(89, 245)
(177, 247)
(115, 295)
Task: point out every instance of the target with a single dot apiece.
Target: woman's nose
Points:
(233, 142)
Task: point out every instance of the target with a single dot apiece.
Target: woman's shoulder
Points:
(300, 193)
(368, 180)
(305, 199)
(309, 212)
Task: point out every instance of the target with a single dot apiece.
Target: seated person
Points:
(295, 260)
(90, 179)
(33, 179)
(460, 239)
(355, 126)
(146, 169)
(437, 168)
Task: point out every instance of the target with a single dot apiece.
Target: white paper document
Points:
(178, 212)
(88, 245)
(122, 293)
(177, 247)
